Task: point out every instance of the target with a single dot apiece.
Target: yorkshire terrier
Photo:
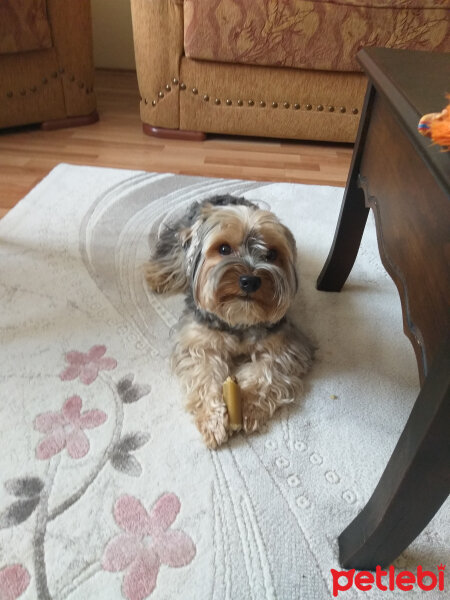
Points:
(236, 263)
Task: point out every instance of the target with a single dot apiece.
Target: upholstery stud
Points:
(153, 102)
(240, 103)
(262, 104)
(308, 106)
(33, 88)
(319, 107)
(229, 102)
(182, 86)
(251, 103)
(217, 101)
(161, 94)
(331, 109)
(206, 98)
(175, 81)
(168, 88)
(355, 111)
(9, 94)
(23, 92)
(55, 74)
(195, 90)
(274, 104)
(80, 85)
(342, 109)
(44, 80)
(296, 106)
(286, 104)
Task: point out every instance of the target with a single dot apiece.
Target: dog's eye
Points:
(271, 255)
(225, 249)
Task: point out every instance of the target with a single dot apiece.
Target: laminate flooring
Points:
(27, 154)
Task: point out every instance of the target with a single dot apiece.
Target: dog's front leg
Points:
(260, 398)
(201, 362)
(272, 378)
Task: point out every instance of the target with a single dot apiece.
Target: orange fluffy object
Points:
(440, 129)
(437, 127)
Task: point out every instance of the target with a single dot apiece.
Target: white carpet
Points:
(124, 500)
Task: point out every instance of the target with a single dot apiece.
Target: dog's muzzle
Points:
(249, 283)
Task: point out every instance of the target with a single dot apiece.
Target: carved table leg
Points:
(352, 218)
(414, 484)
(347, 240)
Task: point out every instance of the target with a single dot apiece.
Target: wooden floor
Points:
(117, 140)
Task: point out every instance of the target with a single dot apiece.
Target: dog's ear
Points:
(185, 236)
(293, 245)
(290, 239)
(206, 210)
(197, 213)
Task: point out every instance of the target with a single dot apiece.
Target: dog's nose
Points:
(249, 283)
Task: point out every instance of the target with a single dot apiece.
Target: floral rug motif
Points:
(106, 489)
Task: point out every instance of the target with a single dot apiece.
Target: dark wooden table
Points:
(405, 180)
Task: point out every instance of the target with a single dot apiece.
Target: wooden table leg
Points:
(347, 240)
(414, 484)
(352, 218)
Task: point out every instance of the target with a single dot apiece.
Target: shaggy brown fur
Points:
(236, 263)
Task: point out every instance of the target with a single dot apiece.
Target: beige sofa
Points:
(46, 63)
(269, 68)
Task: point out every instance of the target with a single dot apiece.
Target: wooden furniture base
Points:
(414, 484)
(406, 182)
(173, 134)
(70, 122)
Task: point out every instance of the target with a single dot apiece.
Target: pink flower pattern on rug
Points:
(14, 580)
(64, 429)
(146, 544)
(86, 366)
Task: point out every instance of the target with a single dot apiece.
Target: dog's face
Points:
(241, 264)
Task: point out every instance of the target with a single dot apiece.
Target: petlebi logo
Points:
(389, 580)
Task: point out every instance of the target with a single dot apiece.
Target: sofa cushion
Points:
(24, 26)
(318, 34)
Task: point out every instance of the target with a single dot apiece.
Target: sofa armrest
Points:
(158, 44)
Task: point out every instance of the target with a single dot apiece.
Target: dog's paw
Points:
(214, 428)
(253, 417)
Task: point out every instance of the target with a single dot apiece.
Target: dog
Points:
(236, 264)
